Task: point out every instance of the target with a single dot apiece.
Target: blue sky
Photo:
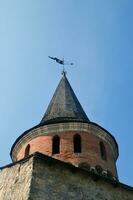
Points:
(97, 36)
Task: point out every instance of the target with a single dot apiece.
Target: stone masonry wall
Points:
(40, 177)
(15, 181)
(53, 179)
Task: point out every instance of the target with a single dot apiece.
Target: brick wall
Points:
(90, 149)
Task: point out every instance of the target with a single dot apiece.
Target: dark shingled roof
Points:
(64, 105)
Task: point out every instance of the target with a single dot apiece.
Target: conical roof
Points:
(64, 105)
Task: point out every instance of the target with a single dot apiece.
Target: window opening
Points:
(27, 150)
(56, 145)
(77, 143)
(103, 151)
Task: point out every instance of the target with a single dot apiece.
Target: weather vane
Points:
(61, 62)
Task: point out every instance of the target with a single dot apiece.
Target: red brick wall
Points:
(90, 149)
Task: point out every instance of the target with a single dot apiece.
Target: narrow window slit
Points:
(27, 150)
(77, 143)
(103, 151)
(56, 145)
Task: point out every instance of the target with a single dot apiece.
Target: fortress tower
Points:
(64, 157)
(66, 133)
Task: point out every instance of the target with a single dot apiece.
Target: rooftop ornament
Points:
(61, 62)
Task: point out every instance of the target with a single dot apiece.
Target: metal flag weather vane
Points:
(61, 62)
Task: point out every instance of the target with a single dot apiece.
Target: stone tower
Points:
(64, 157)
(66, 133)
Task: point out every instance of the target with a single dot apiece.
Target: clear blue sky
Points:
(97, 35)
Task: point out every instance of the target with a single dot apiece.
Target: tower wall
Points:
(41, 140)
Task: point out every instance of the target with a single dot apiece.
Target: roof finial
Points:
(62, 62)
(64, 71)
